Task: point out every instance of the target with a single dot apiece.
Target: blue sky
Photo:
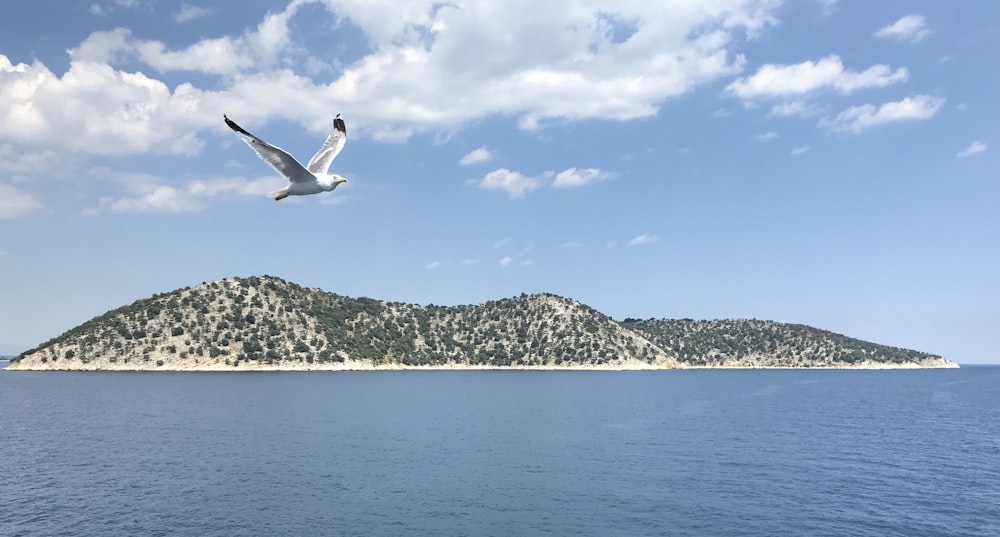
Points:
(826, 162)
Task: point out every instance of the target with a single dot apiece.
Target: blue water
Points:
(711, 453)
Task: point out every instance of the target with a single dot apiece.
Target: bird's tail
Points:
(279, 194)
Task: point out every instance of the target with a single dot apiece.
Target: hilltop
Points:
(269, 323)
(266, 322)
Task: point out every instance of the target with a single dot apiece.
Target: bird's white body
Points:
(302, 180)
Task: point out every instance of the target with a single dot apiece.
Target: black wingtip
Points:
(232, 125)
(338, 124)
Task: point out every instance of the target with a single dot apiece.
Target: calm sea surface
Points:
(880, 453)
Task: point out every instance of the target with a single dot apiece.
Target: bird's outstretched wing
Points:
(281, 161)
(320, 162)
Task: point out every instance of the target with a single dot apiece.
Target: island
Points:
(267, 323)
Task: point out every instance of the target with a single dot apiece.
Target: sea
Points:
(504, 453)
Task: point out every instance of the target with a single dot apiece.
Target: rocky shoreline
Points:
(368, 366)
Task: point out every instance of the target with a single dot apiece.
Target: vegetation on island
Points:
(755, 343)
(268, 322)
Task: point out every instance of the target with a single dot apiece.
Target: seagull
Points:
(310, 179)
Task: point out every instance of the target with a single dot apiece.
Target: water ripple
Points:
(698, 453)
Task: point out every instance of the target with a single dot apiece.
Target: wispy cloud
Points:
(911, 29)
(502, 242)
(766, 137)
(149, 195)
(774, 80)
(519, 258)
(974, 148)
(105, 10)
(189, 12)
(518, 185)
(800, 150)
(476, 156)
(15, 203)
(573, 177)
(436, 264)
(793, 108)
(161, 199)
(571, 244)
(859, 118)
(643, 239)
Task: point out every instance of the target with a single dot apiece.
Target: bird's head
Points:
(339, 178)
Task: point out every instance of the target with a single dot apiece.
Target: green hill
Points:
(268, 323)
(754, 343)
(262, 322)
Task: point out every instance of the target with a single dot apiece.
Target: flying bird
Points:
(302, 180)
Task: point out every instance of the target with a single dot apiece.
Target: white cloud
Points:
(15, 203)
(562, 62)
(518, 185)
(428, 66)
(525, 263)
(148, 194)
(643, 239)
(162, 199)
(858, 118)
(117, 112)
(974, 148)
(800, 150)
(573, 177)
(502, 242)
(18, 161)
(514, 183)
(506, 261)
(911, 28)
(222, 56)
(433, 265)
(773, 80)
(189, 12)
(233, 185)
(571, 244)
(793, 108)
(476, 156)
(766, 137)
(109, 112)
(104, 11)
(219, 56)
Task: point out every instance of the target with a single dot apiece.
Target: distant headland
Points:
(266, 323)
